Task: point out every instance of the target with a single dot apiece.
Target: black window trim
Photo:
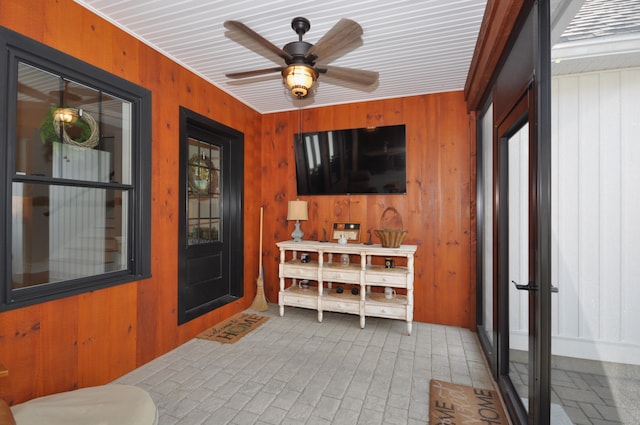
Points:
(16, 48)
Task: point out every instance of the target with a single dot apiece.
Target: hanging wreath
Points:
(84, 128)
(203, 178)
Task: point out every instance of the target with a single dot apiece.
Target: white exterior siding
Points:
(596, 209)
(595, 219)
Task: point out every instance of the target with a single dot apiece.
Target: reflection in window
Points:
(312, 147)
(68, 132)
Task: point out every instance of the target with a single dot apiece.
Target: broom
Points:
(260, 302)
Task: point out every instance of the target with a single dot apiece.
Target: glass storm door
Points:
(523, 363)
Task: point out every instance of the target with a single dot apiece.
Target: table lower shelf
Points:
(374, 305)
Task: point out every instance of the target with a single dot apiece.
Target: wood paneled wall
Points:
(499, 20)
(93, 338)
(436, 209)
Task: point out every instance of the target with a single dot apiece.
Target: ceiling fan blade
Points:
(357, 76)
(342, 33)
(254, 80)
(239, 26)
(36, 94)
(254, 73)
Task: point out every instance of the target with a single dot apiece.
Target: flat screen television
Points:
(355, 161)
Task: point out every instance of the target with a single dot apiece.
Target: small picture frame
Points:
(351, 231)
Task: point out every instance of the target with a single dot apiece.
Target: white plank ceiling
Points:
(418, 47)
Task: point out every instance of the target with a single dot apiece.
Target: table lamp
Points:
(297, 211)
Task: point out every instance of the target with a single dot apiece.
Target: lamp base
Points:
(297, 233)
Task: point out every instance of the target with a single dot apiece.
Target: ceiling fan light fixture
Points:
(67, 115)
(299, 78)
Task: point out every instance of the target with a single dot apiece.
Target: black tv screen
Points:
(356, 161)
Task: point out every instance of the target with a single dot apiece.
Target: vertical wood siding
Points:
(435, 210)
(77, 216)
(595, 211)
(596, 205)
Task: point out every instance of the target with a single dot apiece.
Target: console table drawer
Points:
(388, 279)
(296, 271)
(344, 276)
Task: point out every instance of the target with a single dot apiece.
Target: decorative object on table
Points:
(391, 232)
(389, 263)
(369, 242)
(324, 235)
(355, 290)
(342, 240)
(73, 126)
(350, 231)
(297, 210)
(344, 259)
(305, 258)
(339, 290)
(203, 178)
(303, 284)
(389, 293)
(260, 302)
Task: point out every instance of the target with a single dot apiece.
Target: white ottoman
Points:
(102, 405)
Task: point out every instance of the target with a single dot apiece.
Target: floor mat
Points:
(234, 328)
(460, 404)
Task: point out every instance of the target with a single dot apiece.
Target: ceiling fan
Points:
(304, 61)
(74, 95)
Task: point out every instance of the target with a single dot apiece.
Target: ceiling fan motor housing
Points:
(298, 49)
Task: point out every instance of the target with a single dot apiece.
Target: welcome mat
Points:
(234, 328)
(459, 404)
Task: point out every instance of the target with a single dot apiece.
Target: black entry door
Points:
(210, 234)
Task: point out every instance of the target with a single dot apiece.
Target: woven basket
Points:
(391, 238)
(392, 233)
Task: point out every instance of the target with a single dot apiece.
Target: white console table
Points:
(324, 269)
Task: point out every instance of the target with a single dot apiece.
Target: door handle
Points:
(528, 287)
(531, 287)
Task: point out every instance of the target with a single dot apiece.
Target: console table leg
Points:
(281, 310)
(409, 328)
(362, 322)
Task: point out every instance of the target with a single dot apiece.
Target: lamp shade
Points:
(297, 210)
(299, 78)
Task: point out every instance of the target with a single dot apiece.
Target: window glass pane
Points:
(64, 232)
(68, 130)
(36, 96)
(204, 193)
(487, 223)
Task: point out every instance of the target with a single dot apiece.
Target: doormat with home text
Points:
(234, 328)
(459, 404)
